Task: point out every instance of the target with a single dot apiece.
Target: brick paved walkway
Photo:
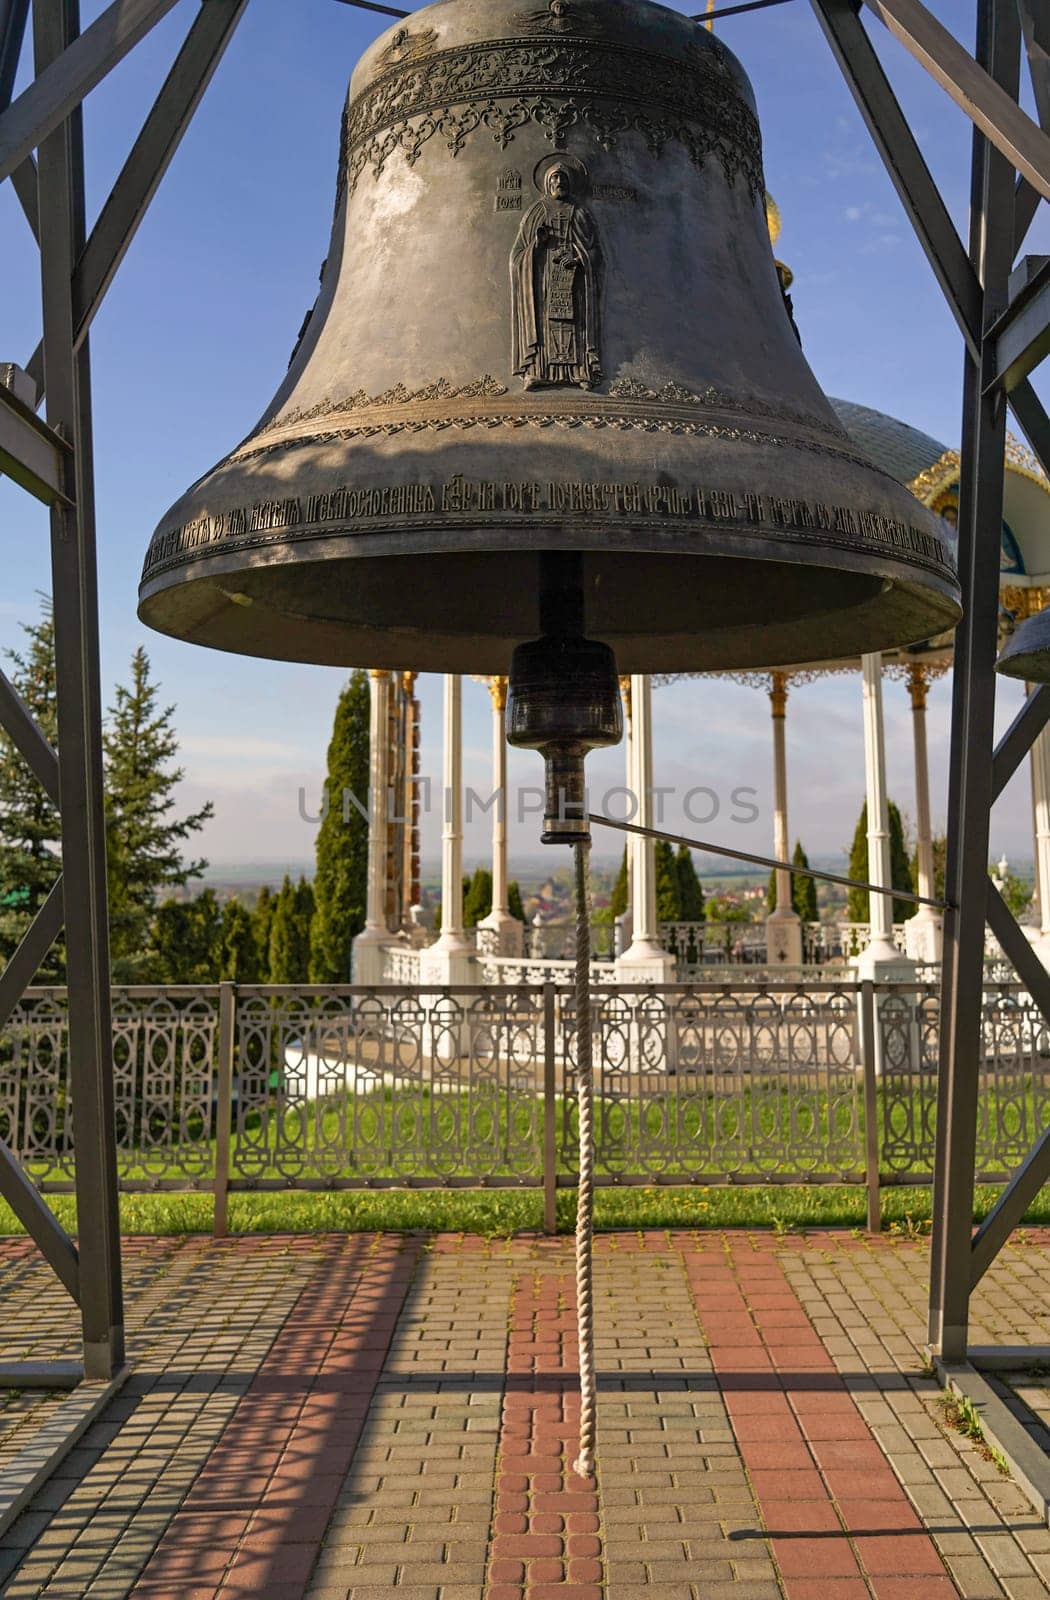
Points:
(369, 1417)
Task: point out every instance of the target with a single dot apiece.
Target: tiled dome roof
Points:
(897, 448)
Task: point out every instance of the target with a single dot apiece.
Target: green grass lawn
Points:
(501, 1213)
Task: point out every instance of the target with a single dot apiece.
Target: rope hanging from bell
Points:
(584, 1463)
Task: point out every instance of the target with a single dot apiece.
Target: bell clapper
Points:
(563, 700)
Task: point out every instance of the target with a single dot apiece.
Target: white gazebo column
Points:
(499, 932)
(371, 941)
(644, 958)
(626, 921)
(1039, 766)
(923, 931)
(783, 925)
(451, 959)
(880, 959)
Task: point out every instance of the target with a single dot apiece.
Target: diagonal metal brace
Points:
(985, 102)
(1010, 1207)
(35, 943)
(1018, 951)
(18, 722)
(1019, 738)
(904, 162)
(60, 88)
(39, 1221)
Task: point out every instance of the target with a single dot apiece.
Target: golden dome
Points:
(772, 218)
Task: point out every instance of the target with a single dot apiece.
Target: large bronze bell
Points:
(550, 321)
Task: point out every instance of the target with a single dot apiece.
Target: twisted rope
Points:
(584, 1463)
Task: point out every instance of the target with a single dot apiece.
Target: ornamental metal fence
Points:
(228, 1087)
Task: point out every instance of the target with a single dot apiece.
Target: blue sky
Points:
(196, 332)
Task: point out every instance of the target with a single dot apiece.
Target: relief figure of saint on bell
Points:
(555, 269)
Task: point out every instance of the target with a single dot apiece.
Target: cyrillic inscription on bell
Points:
(549, 320)
(555, 269)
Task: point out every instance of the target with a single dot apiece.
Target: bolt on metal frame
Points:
(1004, 337)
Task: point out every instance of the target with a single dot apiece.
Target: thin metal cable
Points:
(584, 1463)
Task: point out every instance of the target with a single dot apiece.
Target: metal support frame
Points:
(1004, 339)
(1011, 171)
(53, 462)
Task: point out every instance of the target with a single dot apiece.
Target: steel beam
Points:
(1026, 204)
(988, 105)
(1031, 418)
(150, 155)
(1034, 1171)
(1019, 738)
(40, 1222)
(1021, 337)
(1018, 950)
(72, 74)
(973, 712)
(1009, 1209)
(904, 161)
(24, 733)
(75, 594)
(32, 453)
(1035, 29)
(23, 181)
(13, 16)
(37, 940)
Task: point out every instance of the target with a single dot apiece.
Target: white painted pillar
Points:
(645, 949)
(880, 954)
(628, 742)
(1039, 767)
(368, 946)
(923, 931)
(499, 932)
(453, 939)
(783, 925)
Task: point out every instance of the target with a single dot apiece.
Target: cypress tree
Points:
(290, 933)
(857, 904)
(187, 939)
(690, 891)
(667, 902)
(305, 909)
(477, 902)
(282, 936)
(514, 902)
(900, 866)
(262, 922)
(618, 898)
(803, 890)
(30, 828)
(143, 839)
(341, 852)
(240, 956)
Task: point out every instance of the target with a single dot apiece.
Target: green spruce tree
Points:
(143, 839)
(667, 902)
(690, 891)
(858, 900)
(341, 878)
(30, 829)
